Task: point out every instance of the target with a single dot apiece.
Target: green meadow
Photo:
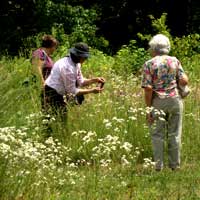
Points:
(104, 150)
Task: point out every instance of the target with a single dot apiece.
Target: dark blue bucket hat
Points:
(80, 50)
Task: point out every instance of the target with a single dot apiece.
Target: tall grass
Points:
(104, 152)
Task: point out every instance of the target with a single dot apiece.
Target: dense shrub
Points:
(129, 59)
(71, 25)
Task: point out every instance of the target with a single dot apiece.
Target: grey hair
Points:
(160, 44)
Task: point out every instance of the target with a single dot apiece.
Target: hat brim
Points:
(79, 53)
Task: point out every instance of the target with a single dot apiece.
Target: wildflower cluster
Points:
(148, 163)
(36, 123)
(105, 150)
(25, 159)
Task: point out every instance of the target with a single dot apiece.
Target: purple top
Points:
(48, 63)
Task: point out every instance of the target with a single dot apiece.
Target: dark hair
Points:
(49, 41)
(75, 59)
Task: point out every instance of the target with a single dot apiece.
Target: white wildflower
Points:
(89, 137)
(124, 161)
(105, 163)
(4, 148)
(108, 125)
(116, 129)
(132, 118)
(105, 121)
(127, 146)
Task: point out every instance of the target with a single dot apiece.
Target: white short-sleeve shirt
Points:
(65, 76)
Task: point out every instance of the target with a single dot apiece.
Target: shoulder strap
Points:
(177, 73)
(45, 55)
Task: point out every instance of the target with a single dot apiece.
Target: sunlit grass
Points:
(104, 152)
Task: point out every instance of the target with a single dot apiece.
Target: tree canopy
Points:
(118, 21)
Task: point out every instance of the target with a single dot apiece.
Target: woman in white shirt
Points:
(66, 79)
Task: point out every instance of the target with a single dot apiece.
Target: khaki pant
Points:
(168, 124)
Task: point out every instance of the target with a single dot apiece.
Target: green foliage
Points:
(186, 46)
(33, 42)
(26, 18)
(158, 26)
(77, 23)
(30, 43)
(106, 142)
(129, 59)
(13, 72)
(84, 28)
(98, 63)
(69, 25)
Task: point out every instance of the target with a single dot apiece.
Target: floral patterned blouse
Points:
(160, 73)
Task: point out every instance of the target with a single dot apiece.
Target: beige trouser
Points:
(168, 123)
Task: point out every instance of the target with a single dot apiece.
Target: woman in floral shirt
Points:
(161, 96)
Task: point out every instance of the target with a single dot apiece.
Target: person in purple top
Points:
(160, 77)
(41, 60)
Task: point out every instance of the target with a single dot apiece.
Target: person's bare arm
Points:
(37, 68)
(93, 80)
(148, 92)
(148, 96)
(88, 91)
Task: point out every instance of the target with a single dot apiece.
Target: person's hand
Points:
(97, 90)
(149, 118)
(100, 80)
